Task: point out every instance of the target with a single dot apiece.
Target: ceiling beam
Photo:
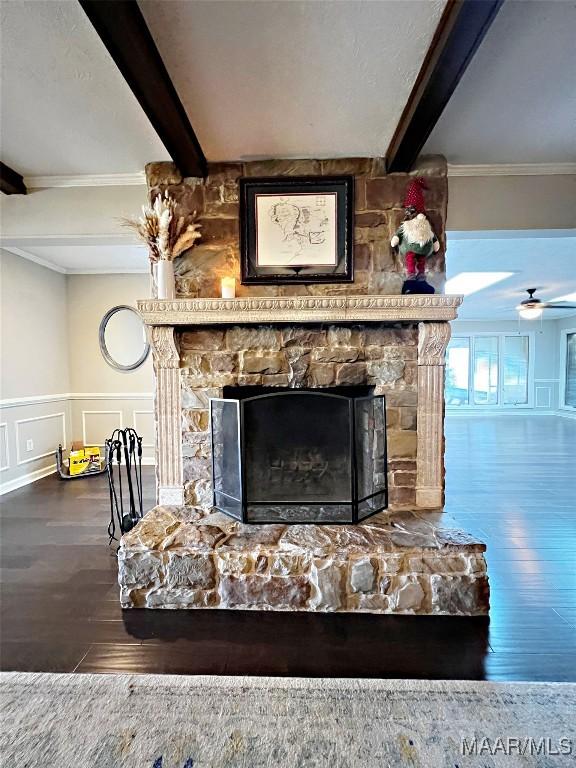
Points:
(11, 183)
(458, 35)
(123, 30)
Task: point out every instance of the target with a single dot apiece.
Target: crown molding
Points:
(13, 245)
(32, 257)
(139, 178)
(513, 169)
(89, 180)
(114, 271)
(64, 271)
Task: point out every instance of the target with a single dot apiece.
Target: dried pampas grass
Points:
(166, 235)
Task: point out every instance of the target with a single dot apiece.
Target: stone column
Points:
(432, 341)
(167, 414)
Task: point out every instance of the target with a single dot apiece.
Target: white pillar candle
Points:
(228, 287)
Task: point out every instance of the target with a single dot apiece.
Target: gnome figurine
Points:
(415, 239)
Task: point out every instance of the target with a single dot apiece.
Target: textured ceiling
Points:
(516, 103)
(540, 259)
(261, 78)
(66, 108)
(293, 79)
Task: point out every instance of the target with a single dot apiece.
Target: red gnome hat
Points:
(415, 195)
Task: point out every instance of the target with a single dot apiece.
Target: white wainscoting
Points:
(101, 428)
(86, 416)
(143, 423)
(4, 449)
(543, 396)
(42, 436)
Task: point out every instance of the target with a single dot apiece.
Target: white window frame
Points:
(500, 406)
(564, 333)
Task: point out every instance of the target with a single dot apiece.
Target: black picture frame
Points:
(330, 243)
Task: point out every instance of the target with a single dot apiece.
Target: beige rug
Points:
(161, 721)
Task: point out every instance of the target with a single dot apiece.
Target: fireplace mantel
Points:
(432, 314)
(300, 309)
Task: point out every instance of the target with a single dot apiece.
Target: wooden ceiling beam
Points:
(11, 183)
(123, 30)
(462, 28)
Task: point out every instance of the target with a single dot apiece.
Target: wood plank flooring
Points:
(509, 479)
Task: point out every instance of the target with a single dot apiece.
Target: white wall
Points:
(104, 398)
(546, 358)
(34, 374)
(55, 386)
(34, 320)
(511, 202)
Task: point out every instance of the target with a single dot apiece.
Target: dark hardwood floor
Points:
(509, 479)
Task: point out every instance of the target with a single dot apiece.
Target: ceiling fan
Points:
(532, 308)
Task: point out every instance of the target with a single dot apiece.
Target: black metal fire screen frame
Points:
(237, 505)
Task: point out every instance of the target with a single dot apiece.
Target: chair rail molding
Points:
(15, 402)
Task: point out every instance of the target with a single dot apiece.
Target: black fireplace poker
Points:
(124, 451)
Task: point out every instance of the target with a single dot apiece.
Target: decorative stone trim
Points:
(299, 309)
(166, 355)
(433, 339)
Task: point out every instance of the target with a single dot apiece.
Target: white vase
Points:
(165, 279)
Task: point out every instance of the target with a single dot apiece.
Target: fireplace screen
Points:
(299, 456)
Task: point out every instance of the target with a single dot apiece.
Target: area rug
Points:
(161, 721)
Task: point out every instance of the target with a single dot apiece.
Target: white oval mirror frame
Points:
(120, 331)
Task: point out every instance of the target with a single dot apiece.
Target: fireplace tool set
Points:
(124, 465)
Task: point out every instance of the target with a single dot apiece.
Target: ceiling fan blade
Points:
(557, 306)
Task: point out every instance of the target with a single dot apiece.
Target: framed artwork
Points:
(296, 229)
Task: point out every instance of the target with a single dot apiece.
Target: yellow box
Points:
(85, 460)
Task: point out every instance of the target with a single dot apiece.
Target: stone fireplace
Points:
(363, 348)
(394, 345)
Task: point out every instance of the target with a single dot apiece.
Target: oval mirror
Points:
(123, 341)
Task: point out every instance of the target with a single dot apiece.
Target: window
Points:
(485, 370)
(457, 371)
(488, 370)
(568, 370)
(515, 370)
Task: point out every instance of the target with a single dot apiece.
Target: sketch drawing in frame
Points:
(297, 230)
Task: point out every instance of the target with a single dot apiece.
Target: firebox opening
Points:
(299, 456)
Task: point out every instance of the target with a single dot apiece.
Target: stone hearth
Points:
(185, 557)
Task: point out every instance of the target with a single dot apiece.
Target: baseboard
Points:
(565, 414)
(30, 477)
